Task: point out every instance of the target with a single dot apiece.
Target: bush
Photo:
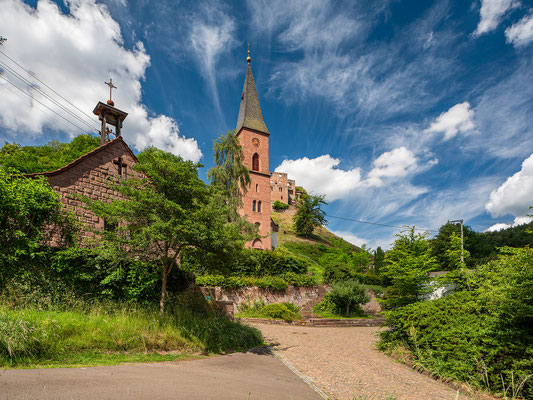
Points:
(336, 271)
(348, 294)
(270, 282)
(285, 311)
(481, 336)
(278, 206)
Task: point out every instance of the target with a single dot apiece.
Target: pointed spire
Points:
(250, 115)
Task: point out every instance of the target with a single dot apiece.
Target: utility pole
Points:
(462, 239)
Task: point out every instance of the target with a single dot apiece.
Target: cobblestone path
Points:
(344, 363)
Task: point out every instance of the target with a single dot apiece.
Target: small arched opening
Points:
(259, 206)
(257, 244)
(254, 205)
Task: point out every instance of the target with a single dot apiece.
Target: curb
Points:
(301, 375)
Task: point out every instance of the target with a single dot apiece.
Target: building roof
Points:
(250, 115)
(87, 155)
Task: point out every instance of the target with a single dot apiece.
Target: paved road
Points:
(236, 376)
(344, 363)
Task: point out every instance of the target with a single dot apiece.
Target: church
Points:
(88, 174)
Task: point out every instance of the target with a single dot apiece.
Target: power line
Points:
(40, 102)
(34, 105)
(375, 223)
(34, 76)
(46, 95)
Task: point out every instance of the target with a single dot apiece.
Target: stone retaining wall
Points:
(298, 295)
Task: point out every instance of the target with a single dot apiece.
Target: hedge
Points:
(270, 282)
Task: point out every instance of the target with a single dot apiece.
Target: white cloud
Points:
(321, 175)
(521, 33)
(517, 221)
(351, 238)
(457, 119)
(491, 13)
(392, 164)
(515, 195)
(74, 54)
(211, 35)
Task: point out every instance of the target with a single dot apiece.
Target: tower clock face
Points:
(255, 142)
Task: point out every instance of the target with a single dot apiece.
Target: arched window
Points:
(259, 207)
(253, 205)
(255, 162)
(257, 244)
(256, 187)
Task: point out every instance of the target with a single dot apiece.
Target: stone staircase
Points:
(307, 309)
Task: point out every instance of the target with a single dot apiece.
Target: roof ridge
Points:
(83, 157)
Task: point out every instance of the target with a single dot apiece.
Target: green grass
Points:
(114, 334)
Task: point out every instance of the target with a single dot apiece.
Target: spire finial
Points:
(248, 58)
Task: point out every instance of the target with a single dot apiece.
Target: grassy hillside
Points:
(310, 248)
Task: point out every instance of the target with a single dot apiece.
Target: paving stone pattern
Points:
(345, 364)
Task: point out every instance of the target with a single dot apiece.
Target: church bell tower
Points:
(253, 136)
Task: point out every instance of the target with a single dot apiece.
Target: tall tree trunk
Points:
(163, 289)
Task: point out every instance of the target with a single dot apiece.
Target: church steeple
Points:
(250, 115)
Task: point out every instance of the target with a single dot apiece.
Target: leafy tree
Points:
(348, 294)
(379, 259)
(309, 214)
(54, 155)
(407, 267)
(229, 174)
(165, 212)
(29, 212)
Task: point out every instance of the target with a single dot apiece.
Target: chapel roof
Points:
(250, 115)
(116, 141)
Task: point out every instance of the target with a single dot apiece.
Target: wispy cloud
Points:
(491, 13)
(212, 34)
(521, 33)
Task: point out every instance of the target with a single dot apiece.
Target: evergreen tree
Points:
(309, 214)
(379, 259)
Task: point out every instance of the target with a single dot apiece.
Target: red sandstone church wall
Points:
(259, 189)
(88, 178)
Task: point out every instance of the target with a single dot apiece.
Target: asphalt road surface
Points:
(250, 376)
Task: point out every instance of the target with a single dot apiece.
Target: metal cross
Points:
(111, 86)
(2, 40)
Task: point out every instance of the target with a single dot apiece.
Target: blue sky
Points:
(400, 112)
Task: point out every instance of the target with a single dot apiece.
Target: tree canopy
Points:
(49, 157)
(165, 212)
(309, 214)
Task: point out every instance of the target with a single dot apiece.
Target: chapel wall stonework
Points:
(88, 176)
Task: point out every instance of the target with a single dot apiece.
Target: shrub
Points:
(348, 294)
(336, 271)
(285, 311)
(270, 282)
(482, 336)
(278, 206)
